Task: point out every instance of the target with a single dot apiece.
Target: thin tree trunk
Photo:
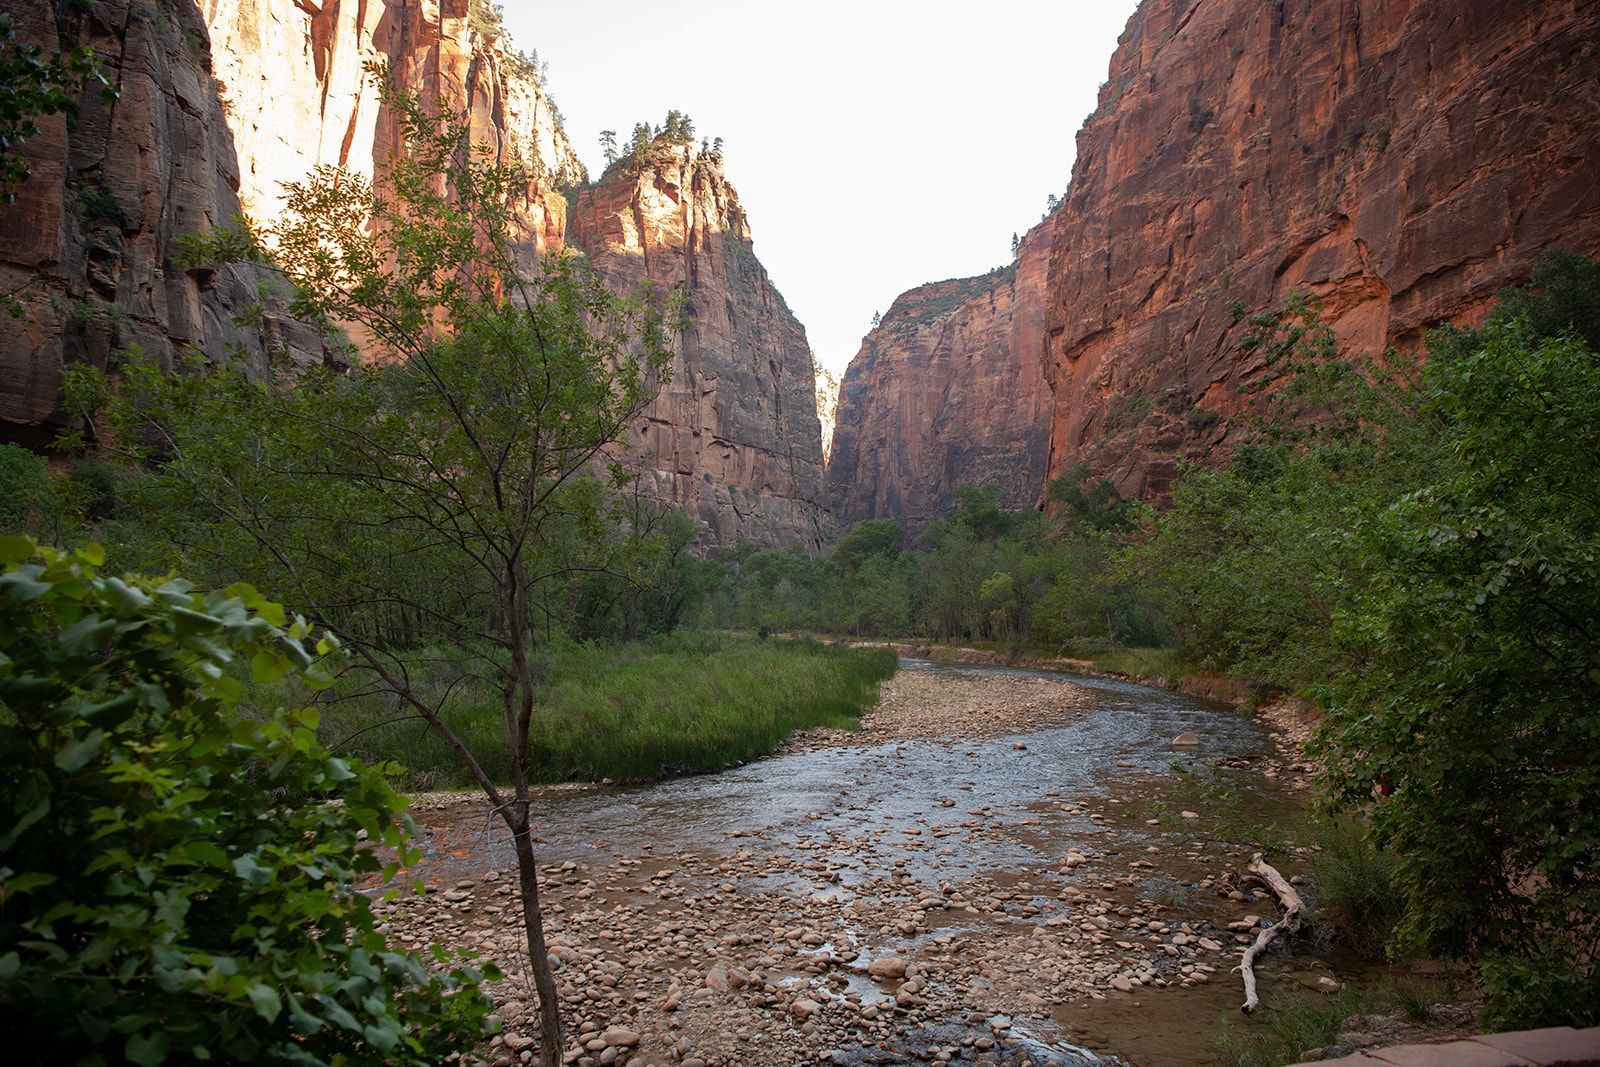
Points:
(551, 1040)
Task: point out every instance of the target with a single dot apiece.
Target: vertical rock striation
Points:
(734, 439)
(88, 248)
(198, 136)
(948, 389)
(1402, 161)
(294, 82)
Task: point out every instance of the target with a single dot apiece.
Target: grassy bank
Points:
(634, 712)
(1304, 1021)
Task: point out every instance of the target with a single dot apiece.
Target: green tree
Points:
(608, 145)
(430, 493)
(1478, 646)
(179, 877)
(866, 539)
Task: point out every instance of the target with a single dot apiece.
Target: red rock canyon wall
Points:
(734, 439)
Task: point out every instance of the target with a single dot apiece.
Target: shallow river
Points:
(1037, 793)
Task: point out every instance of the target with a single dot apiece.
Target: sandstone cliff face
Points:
(948, 389)
(294, 85)
(733, 439)
(1402, 161)
(88, 246)
(195, 137)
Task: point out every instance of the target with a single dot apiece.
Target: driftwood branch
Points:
(1290, 923)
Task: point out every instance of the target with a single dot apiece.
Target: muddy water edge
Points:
(1004, 866)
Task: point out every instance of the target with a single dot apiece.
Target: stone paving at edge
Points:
(1557, 1047)
(854, 929)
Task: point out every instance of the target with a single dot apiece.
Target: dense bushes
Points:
(177, 878)
(979, 573)
(1478, 651)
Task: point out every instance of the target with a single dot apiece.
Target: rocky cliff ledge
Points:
(196, 136)
(948, 389)
(734, 440)
(1403, 161)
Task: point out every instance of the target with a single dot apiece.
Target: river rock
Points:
(617, 1037)
(1187, 739)
(887, 969)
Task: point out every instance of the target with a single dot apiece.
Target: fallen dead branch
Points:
(1290, 922)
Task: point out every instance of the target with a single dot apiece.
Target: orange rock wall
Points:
(734, 438)
(218, 107)
(947, 390)
(1403, 161)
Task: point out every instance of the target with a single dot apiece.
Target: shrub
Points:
(27, 495)
(1358, 890)
(178, 878)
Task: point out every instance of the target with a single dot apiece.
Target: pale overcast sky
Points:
(876, 144)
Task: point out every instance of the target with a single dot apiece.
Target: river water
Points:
(1076, 784)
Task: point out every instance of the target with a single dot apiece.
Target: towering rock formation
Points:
(202, 131)
(1402, 161)
(295, 86)
(948, 389)
(88, 247)
(223, 103)
(734, 438)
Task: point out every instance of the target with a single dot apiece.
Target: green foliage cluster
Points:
(178, 877)
(1419, 549)
(980, 573)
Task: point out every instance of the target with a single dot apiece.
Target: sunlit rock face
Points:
(948, 389)
(734, 438)
(219, 106)
(1402, 161)
(224, 103)
(296, 88)
(89, 246)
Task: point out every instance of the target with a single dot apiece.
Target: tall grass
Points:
(1302, 1021)
(635, 712)
(1357, 886)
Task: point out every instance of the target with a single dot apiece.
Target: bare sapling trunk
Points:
(544, 980)
(1286, 925)
(519, 723)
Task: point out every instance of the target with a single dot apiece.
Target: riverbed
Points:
(1038, 877)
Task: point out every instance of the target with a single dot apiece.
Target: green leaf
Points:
(74, 755)
(253, 873)
(148, 1050)
(267, 1003)
(87, 635)
(20, 588)
(14, 547)
(268, 668)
